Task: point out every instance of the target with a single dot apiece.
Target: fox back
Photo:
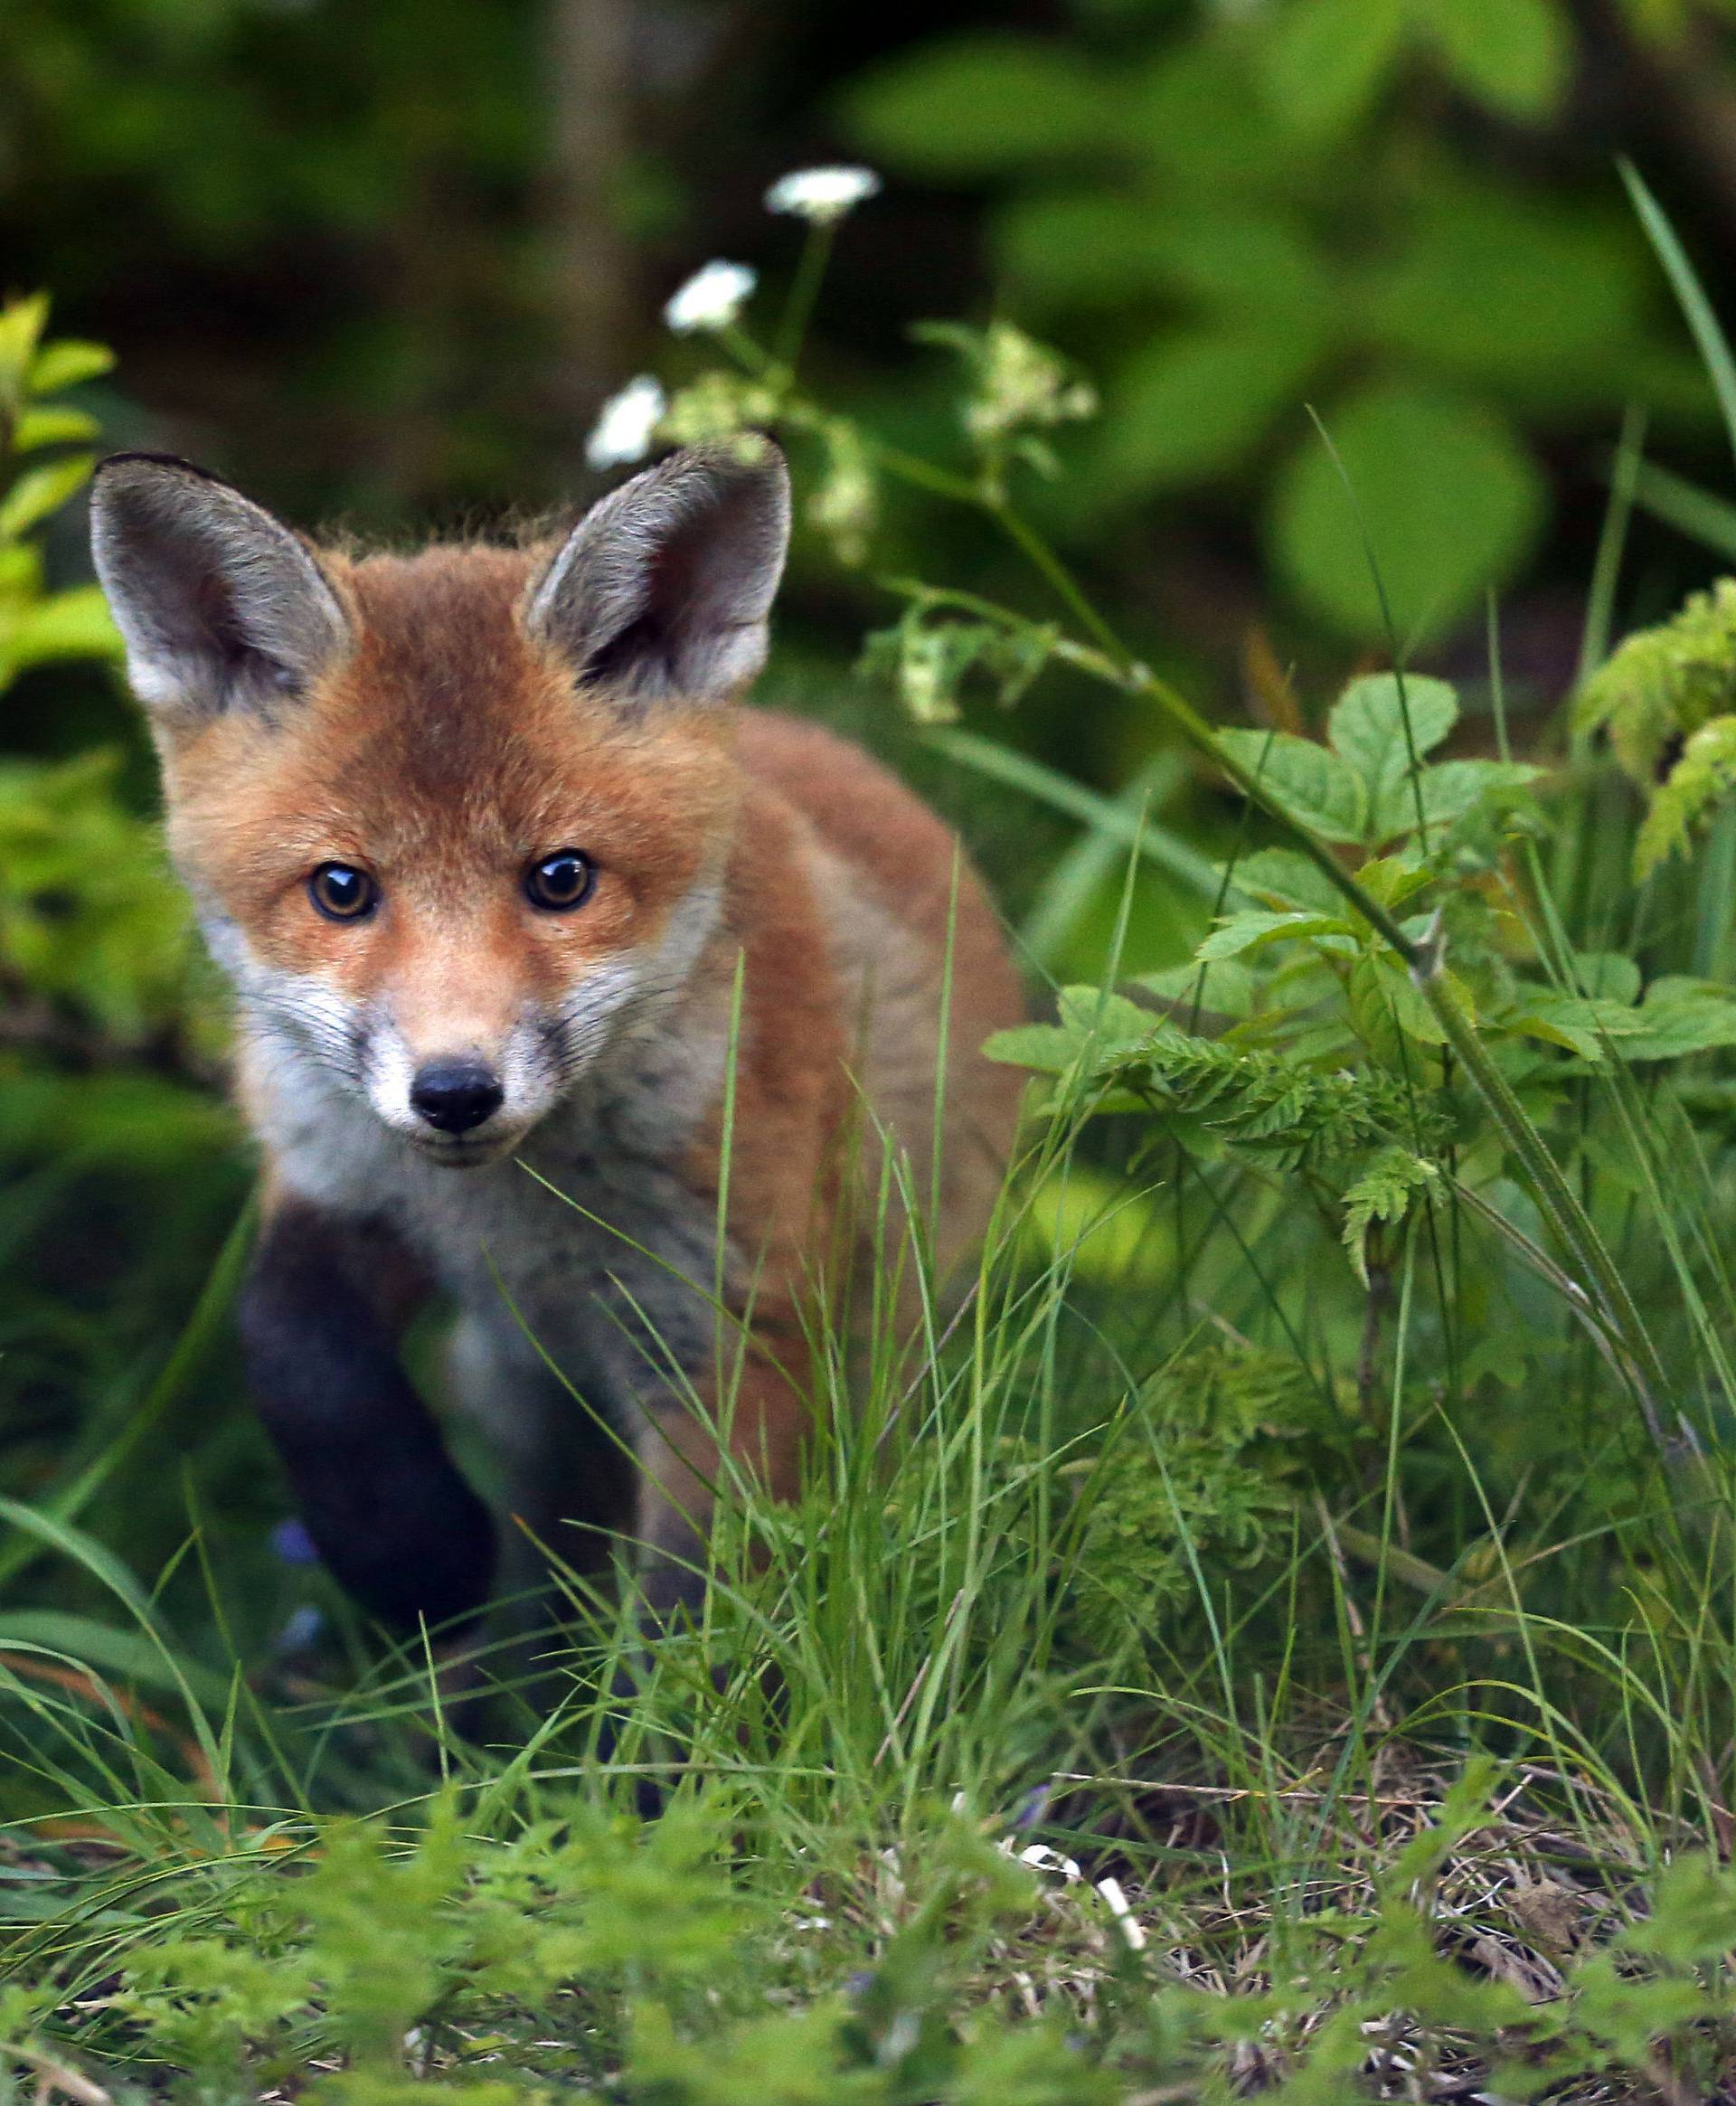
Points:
(514, 898)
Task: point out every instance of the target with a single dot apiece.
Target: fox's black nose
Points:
(456, 1095)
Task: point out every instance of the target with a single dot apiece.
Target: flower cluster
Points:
(711, 298)
(822, 195)
(711, 301)
(627, 424)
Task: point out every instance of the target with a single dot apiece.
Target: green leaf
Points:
(1494, 282)
(1194, 403)
(979, 105)
(1209, 140)
(53, 427)
(1270, 1101)
(1692, 1921)
(1587, 1024)
(1511, 54)
(1233, 262)
(1368, 725)
(39, 492)
(1093, 1024)
(1310, 780)
(1287, 879)
(22, 322)
(1383, 999)
(1384, 1192)
(1256, 928)
(1107, 1020)
(1047, 1049)
(1450, 501)
(1609, 974)
(1081, 248)
(67, 361)
(1325, 61)
(1225, 988)
(1451, 791)
(1393, 879)
(1680, 1017)
(73, 624)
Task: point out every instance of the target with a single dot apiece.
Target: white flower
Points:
(821, 194)
(711, 298)
(625, 426)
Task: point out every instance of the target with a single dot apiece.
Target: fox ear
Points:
(220, 606)
(662, 589)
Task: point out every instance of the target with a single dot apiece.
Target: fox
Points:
(533, 926)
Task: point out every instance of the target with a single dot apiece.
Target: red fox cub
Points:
(479, 836)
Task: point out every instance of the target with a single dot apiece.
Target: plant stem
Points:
(810, 269)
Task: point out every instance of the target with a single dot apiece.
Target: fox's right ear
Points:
(220, 606)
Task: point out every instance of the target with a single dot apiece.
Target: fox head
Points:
(452, 820)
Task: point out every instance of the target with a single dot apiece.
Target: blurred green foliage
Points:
(1242, 215)
(37, 627)
(94, 932)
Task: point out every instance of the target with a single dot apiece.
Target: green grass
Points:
(1270, 1630)
(1363, 1644)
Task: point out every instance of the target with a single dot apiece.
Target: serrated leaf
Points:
(1309, 780)
(1224, 987)
(1093, 1023)
(1383, 997)
(1047, 1049)
(1256, 928)
(39, 492)
(67, 361)
(1587, 1024)
(1368, 725)
(1385, 1192)
(1511, 54)
(1449, 792)
(1681, 1016)
(1448, 497)
(1392, 880)
(1324, 61)
(1110, 1019)
(1287, 878)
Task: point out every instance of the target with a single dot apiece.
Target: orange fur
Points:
(447, 750)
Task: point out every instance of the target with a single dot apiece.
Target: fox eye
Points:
(342, 893)
(561, 882)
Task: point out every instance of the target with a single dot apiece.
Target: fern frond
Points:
(1663, 684)
(1262, 1100)
(1706, 770)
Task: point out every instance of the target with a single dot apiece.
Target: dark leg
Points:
(395, 1524)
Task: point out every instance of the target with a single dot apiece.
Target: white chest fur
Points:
(591, 1239)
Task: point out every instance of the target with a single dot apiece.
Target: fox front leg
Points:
(395, 1524)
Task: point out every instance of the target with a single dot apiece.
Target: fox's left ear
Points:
(662, 589)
